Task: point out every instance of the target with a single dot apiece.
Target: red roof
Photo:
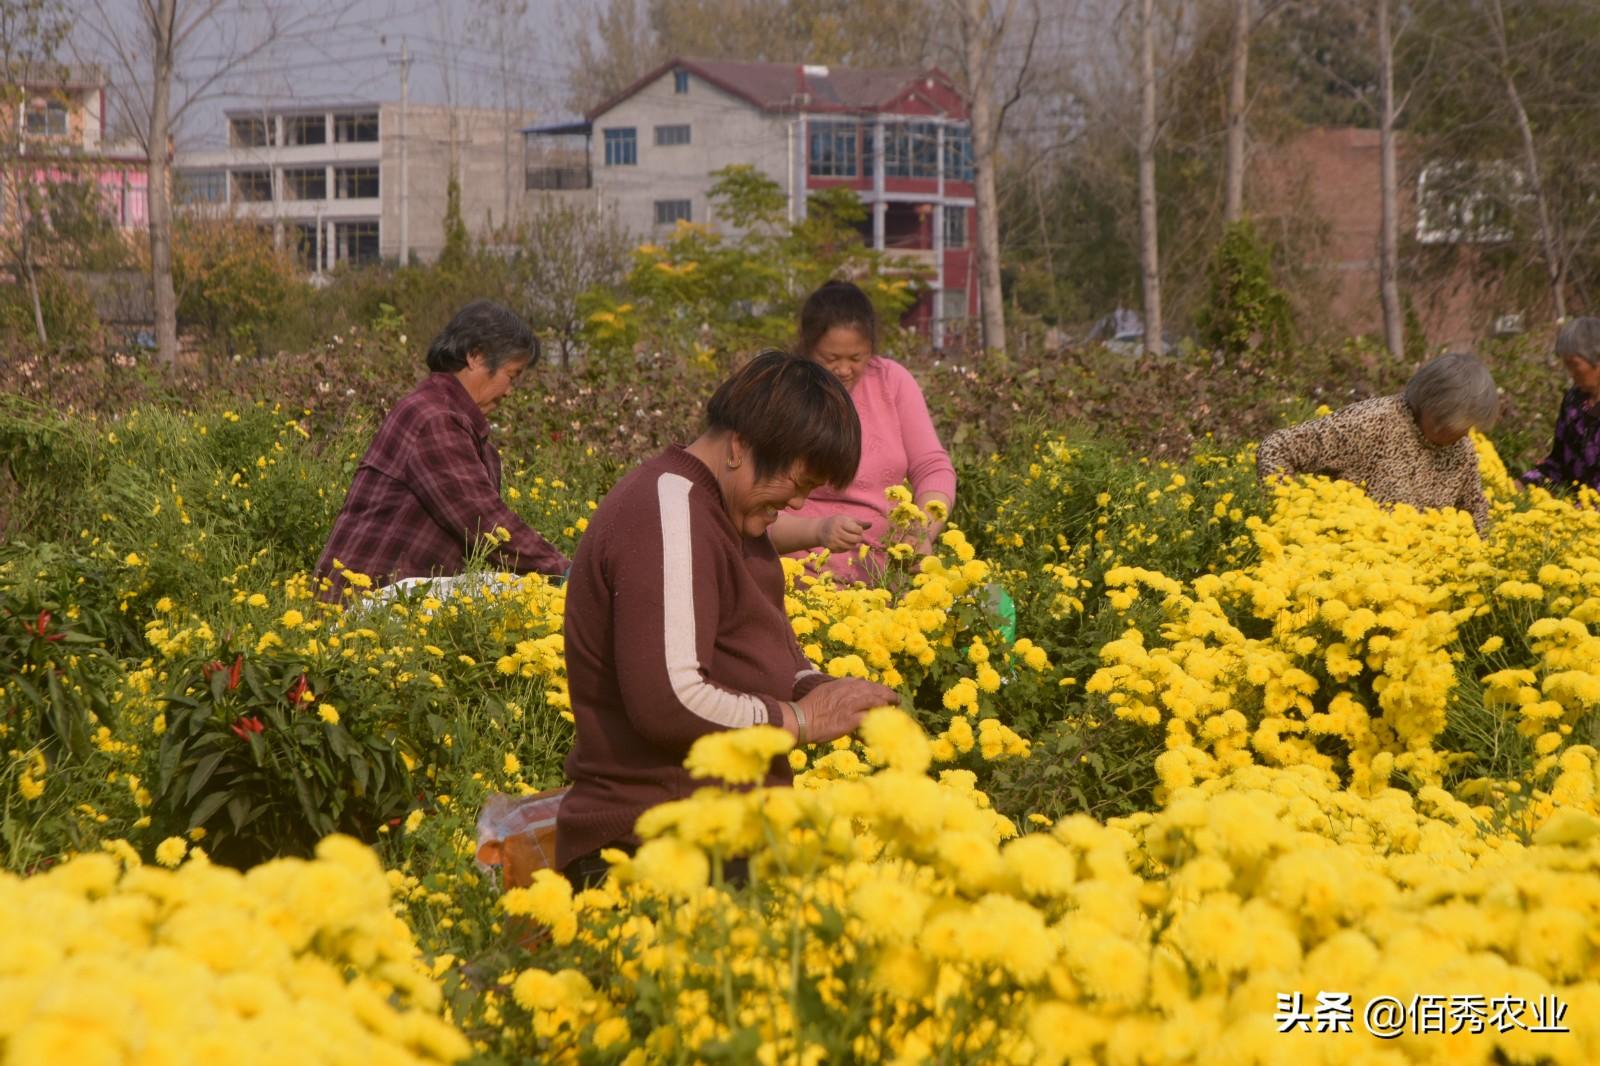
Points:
(799, 87)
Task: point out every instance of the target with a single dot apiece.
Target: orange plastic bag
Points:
(518, 834)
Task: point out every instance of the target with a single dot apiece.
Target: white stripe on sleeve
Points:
(702, 698)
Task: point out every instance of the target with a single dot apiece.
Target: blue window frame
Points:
(680, 81)
(833, 150)
(958, 153)
(622, 147)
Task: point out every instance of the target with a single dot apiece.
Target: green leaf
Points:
(238, 810)
(202, 773)
(208, 806)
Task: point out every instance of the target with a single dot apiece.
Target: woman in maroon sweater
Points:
(675, 625)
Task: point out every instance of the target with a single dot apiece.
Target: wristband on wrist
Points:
(800, 722)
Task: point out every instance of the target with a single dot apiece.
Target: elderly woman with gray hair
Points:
(1575, 453)
(1412, 448)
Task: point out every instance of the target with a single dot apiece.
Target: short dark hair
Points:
(788, 409)
(834, 304)
(485, 327)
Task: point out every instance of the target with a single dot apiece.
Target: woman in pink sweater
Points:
(839, 329)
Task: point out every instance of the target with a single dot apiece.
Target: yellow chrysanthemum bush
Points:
(110, 961)
(1379, 644)
(895, 917)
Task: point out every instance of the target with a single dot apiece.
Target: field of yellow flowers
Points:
(1257, 777)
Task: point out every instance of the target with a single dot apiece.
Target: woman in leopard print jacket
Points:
(1412, 448)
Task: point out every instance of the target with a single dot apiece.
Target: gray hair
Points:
(1580, 337)
(493, 331)
(1457, 390)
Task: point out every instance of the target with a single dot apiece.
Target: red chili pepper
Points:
(210, 668)
(297, 691)
(44, 620)
(556, 435)
(234, 671)
(245, 726)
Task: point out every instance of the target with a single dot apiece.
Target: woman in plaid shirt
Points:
(1574, 457)
(429, 486)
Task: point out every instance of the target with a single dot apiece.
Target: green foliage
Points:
(69, 316)
(457, 248)
(702, 297)
(58, 674)
(249, 760)
(1246, 309)
(232, 283)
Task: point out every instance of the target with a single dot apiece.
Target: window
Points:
(622, 147)
(355, 126)
(49, 120)
(952, 304)
(667, 136)
(355, 183)
(896, 150)
(305, 129)
(1467, 202)
(955, 227)
(910, 150)
(251, 132)
(304, 235)
(355, 242)
(252, 186)
(958, 153)
(680, 81)
(924, 150)
(833, 150)
(305, 183)
(202, 186)
(671, 211)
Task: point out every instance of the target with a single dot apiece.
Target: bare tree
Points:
(31, 32)
(563, 250)
(505, 23)
(1550, 242)
(1389, 184)
(1149, 239)
(1244, 26)
(982, 31)
(148, 54)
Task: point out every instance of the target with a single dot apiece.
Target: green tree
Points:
(1246, 309)
(232, 282)
(701, 297)
(457, 247)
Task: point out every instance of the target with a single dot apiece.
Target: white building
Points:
(354, 183)
(900, 139)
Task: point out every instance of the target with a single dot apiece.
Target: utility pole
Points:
(405, 148)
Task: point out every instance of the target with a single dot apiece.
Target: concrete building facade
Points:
(900, 139)
(356, 183)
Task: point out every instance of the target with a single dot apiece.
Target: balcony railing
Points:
(560, 178)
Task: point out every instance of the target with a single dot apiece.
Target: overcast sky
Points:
(359, 61)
